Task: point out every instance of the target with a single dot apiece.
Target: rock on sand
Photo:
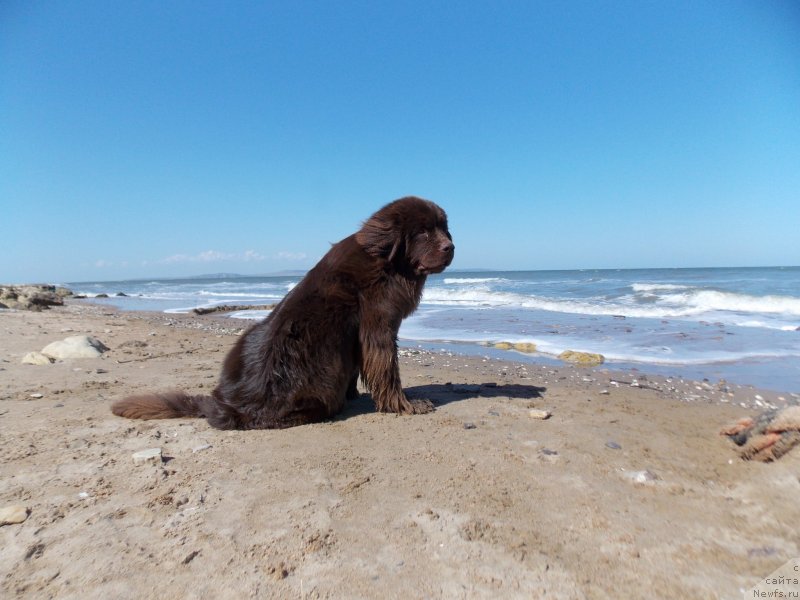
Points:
(582, 359)
(76, 346)
(10, 515)
(36, 358)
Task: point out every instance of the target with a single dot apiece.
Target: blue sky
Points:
(148, 139)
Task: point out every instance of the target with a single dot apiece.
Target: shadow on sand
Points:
(443, 394)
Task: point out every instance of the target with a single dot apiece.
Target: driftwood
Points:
(231, 308)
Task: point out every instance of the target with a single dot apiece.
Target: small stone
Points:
(613, 445)
(149, 455)
(101, 371)
(582, 359)
(604, 392)
(526, 347)
(645, 477)
(11, 515)
(469, 426)
(536, 413)
(36, 358)
(200, 448)
(36, 396)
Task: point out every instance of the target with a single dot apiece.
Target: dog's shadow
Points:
(443, 394)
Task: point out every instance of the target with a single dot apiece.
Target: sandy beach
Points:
(626, 491)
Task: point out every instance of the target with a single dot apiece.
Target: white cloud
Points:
(283, 255)
(253, 255)
(211, 256)
(102, 263)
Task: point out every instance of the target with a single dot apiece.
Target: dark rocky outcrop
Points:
(33, 296)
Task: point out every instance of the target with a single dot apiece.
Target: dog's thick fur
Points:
(301, 363)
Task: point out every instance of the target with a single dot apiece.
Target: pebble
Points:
(613, 445)
(469, 426)
(11, 515)
(604, 392)
(149, 455)
(536, 413)
(645, 477)
(36, 358)
(37, 395)
(200, 448)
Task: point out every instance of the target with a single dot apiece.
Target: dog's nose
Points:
(448, 246)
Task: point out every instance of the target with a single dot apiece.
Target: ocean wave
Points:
(710, 300)
(457, 280)
(654, 287)
(694, 304)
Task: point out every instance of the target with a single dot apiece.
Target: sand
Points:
(625, 491)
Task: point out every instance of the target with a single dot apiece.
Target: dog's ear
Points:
(380, 237)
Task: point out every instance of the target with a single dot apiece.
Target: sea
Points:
(741, 325)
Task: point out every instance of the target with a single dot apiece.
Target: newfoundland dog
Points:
(301, 363)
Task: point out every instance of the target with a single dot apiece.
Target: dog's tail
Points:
(167, 405)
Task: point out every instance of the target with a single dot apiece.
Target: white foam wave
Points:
(675, 305)
(710, 300)
(654, 287)
(489, 299)
(457, 280)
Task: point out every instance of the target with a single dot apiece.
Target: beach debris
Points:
(503, 345)
(645, 477)
(200, 448)
(582, 359)
(11, 515)
(548, 455)
(75, 346)
(36, 358)
(537, 413)
(36, 396)
(613, 445)
(148, 455)
(767, 436)
(133, 344)
(205, 310)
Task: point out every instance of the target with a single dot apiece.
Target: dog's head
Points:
(411, 233)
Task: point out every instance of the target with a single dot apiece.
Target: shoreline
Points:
(630, 493)
(690, 389)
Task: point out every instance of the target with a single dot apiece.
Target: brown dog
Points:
(301, 363)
